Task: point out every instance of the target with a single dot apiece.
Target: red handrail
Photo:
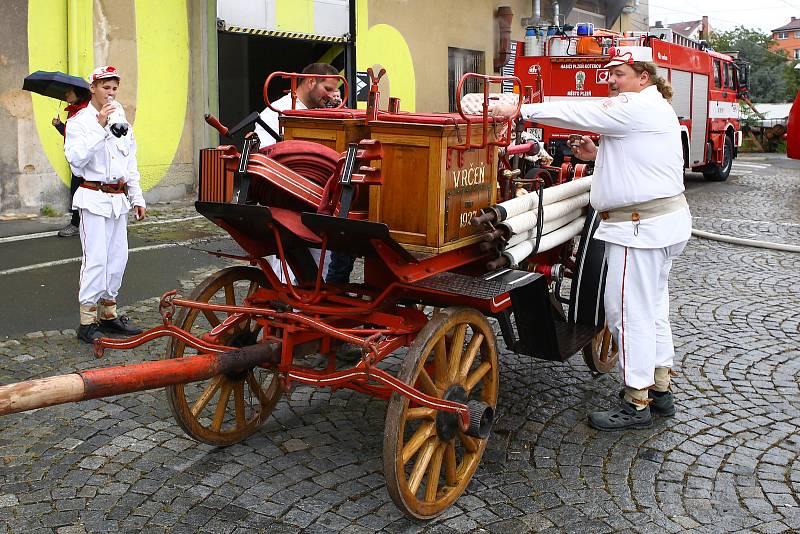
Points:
(293, 76)
(487, 80)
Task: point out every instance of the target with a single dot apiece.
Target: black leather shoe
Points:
(89, 332)
(119, 326)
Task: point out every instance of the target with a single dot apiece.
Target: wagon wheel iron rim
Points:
(425, 473)
(224, 409)
(602, 354)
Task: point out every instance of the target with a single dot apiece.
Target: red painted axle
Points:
(110, 381)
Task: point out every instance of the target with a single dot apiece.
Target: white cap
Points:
(106, 71)
(627, 55)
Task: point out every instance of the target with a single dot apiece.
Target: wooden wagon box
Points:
(335, 130)
(430, 191)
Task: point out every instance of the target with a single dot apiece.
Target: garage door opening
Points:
(245, 61)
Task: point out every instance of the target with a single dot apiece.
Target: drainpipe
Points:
(208, 23)
(504, 17)
(556, 13)
(350, 57)
(537, 11)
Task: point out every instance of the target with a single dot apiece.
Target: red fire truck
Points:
(706, 84)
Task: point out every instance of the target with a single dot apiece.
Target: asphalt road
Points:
(39, 277)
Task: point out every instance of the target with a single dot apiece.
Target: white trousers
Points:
(637, 309)
(105, 254)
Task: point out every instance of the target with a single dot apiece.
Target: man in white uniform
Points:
(645, 221)
(312, 93)
(104, 153)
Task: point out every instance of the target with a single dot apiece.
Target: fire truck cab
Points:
(707, 86)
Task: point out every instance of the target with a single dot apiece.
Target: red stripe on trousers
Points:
(83, 256)
(622, 318)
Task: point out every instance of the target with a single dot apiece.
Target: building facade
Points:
(787, 38)
(181, 59)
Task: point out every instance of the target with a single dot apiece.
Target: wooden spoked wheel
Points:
(227, 408)
(602, 353)
(427, 461)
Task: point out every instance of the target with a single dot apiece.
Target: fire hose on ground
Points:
(746, 242)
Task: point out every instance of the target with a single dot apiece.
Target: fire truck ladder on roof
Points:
(668, 35)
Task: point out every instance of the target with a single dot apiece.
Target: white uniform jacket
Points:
(271, 118)
(640, 158)
(94, 153)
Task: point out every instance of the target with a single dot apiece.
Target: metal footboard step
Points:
(484, 287)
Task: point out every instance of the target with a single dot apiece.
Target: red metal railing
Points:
(293, 77)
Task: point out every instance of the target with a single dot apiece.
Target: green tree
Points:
(772, 78)
(792, 77)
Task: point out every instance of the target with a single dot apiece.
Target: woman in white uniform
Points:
(638, 189)
(103, 151)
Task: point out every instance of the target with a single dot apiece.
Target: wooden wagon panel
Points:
(430, 190)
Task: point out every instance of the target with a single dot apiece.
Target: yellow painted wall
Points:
(47, 50)
(148, 41)
(410, 39)
(158, 81)
(295, 15)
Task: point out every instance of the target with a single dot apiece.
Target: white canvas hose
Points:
(747, 242)
(527, 220)
(548, 227)
(519, 252)
(550, 195)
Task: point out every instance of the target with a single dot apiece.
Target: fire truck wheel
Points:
(224, 409)
(427, 459)
(601, 354)
(720, 173)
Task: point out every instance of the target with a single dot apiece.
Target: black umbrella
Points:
(54, 84)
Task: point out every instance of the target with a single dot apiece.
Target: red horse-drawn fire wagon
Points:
(415, 196)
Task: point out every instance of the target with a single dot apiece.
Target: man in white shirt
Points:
(100, 146)
(312, 93)
(638, 189)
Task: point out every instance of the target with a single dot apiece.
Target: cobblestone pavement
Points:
(728, 462)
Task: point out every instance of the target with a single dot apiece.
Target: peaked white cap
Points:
(627, 55)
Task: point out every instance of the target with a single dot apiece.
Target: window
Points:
(459, 62)
(728, 76)
(717, 74)
(797, 53)
(782, 35)
(797, 34)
